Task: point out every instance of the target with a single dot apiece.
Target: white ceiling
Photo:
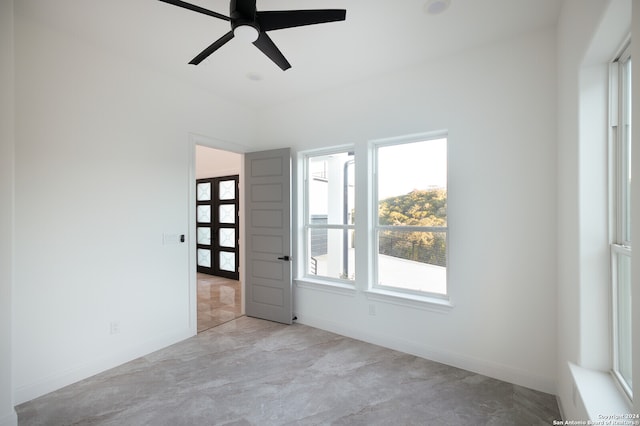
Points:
(378, 36)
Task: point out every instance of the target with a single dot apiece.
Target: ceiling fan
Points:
(249, 24)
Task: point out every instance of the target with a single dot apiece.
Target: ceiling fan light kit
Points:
(246, 33)
(251, 26)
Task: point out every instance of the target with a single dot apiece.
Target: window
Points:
(620, 113)
(410, 211)
(330, 216)
(402, 232)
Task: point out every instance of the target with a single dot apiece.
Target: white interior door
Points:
(268, 235)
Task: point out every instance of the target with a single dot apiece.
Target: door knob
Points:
(287, 258)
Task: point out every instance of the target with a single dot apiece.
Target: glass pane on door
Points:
(227, 261)
(227, 237)
(227, 213)
(204, 235)
(227, 190)
(204, 191)
(204, 258)
(203, 214)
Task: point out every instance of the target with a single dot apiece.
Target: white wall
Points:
(498, 104)
(215, 162)
(574, 33)
(7, 414)
(102, 172)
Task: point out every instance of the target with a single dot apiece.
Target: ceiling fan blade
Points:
(268, 47)
(196, 9)
(212, 48)
(279, 19)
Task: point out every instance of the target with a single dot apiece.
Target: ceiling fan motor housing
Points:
(242, 13)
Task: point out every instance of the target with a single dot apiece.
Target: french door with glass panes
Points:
(217, 226)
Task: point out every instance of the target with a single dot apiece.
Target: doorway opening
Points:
(218, 220)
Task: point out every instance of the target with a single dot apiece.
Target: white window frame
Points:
(366, 208)
(374, 286)
(307, 226)
(620, 244)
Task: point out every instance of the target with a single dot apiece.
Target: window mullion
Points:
(330, 226)
(412, 228)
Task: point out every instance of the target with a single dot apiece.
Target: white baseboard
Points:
(560, 408)
(480, 366)
(9, 419)
(90, 368)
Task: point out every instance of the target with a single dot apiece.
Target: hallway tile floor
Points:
(219, 301)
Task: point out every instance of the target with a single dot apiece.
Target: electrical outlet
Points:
(114, 327)
(372, 310)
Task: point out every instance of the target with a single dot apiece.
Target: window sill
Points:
(327, 286)
(599, 392)
(426, 303)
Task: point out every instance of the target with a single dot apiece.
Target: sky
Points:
(419, 165)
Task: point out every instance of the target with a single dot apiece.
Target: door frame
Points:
(210, 142)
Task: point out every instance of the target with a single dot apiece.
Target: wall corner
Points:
(10, 419)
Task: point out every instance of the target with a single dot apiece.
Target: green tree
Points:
(417, 208)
